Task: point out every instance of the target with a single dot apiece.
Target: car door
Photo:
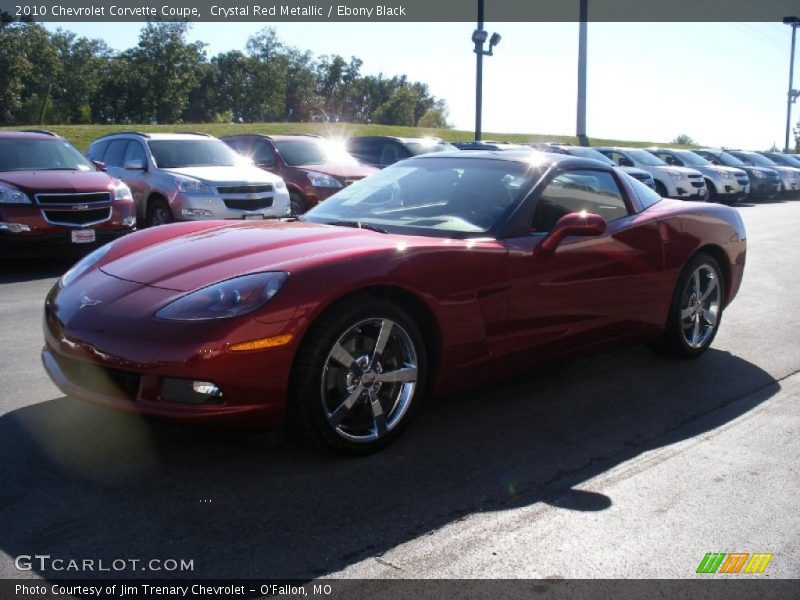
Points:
(591, 289)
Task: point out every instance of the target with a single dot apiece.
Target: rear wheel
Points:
(358, 376)
(696, 309)
(158, 213)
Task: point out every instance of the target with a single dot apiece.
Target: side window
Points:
(389, 154)
(647, 197)
(574, 191)
(264, 153)
(97, 150)
(668, 158)
(135, 151)
(115, 153)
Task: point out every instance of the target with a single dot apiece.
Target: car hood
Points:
(685, 170)
(634, 171)
(342, 171)
(58, 181)
(226, 174)
(206, 256)
(723, 169)
(764, 170)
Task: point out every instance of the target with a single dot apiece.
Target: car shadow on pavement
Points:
(80, 481)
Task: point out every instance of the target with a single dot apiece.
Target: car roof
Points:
(397, 138)
(158, 136)
(546, 159)
(276, 138)
(30, 134)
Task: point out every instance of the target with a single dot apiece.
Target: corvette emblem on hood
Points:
(86, 301)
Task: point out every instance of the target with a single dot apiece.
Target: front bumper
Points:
(116, 354)
(688, 189)
(764, 188)
(198, 207)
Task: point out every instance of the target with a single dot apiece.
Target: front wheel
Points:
(297, 203)
(159, 213)
(661, 189)
(696, 309)
(358, 376)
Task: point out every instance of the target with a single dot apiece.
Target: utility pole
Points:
(581, 122)
(479, 38)
(792, 95)
(479, 70)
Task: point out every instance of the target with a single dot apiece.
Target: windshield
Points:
(783, 159)
(296, 153)
(690, 158)
(588, 153)
(417, 148)
(754, 159)
(177, 154)
(41, 155)
(645, 158)
(438, 197)
(729, 160)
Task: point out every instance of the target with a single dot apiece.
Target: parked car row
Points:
(52, 198)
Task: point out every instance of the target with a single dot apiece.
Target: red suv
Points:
(312, 167)
(53, 199)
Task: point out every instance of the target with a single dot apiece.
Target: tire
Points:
(297, 203)
(345, 395)
(661, 189)
(159, 213)
(696, 309)
(711, 195)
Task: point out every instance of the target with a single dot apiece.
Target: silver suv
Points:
(725, 184)
(189, 177)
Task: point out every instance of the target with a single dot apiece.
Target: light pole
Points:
(581, 121)
(792, 95)
(479, 39)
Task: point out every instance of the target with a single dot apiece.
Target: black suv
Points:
(383, 150)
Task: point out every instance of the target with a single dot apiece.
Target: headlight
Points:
(83, 265)
(231, 298)
(675, 174)
(323, 181)
(122, 192)
(725, 174)
(9, 195)
(280, 186)
(759, 174)
(191, 186)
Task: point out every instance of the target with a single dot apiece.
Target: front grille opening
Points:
(244, 189)
(98, 379)
(238, 204)
(78, 217)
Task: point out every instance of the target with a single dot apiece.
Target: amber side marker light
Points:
(270, 342)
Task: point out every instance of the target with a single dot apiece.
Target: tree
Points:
(398, 109)
(168, 68)
(684, 140)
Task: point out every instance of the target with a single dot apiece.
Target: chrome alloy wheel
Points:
(700, 306)
(369, 380)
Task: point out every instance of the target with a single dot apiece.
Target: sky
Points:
(723, 84)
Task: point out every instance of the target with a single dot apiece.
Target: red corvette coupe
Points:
(436, 274)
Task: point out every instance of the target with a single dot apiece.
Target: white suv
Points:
(671, 182)
(189, 177)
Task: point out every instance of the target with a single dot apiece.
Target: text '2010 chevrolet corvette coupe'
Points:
(439, 273)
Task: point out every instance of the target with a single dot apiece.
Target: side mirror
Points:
(99, 165)
(625, 162)
(134, 165)
(581, 223)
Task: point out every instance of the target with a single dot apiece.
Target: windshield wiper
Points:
(357, 225)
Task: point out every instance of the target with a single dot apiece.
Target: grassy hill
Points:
(82, 135)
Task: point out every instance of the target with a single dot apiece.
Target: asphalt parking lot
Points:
(621, 465)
